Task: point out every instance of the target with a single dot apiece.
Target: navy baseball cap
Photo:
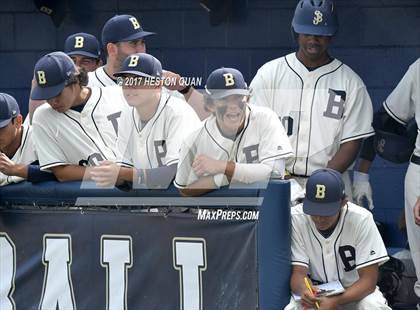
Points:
(141, 64)
(82, 44)
(324, 192)
(122, 28)
(224, 82)
(52, 73)
(9, 109)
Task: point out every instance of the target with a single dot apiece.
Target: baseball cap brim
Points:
(317, 31)
(222, 93)
(137, 35)
(5, 122)
(320, 209)
(83, 53)
(123, 73)
(45, 93)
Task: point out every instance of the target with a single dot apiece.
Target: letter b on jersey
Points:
(78, 42)
(320, 191)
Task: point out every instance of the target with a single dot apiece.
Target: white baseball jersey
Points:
(404, 102)
(159, 141)
(263, 139)
(25, 154)
(354, 244)
(79, 138)
(99, 78)
(319, 109)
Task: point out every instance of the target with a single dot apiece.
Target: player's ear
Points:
(18, 121)
(111, 49)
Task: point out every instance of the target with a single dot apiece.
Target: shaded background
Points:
(377, 39)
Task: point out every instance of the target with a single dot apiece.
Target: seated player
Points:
(238, 143)
(78, 126)
(152, 130)
(18, 159)
(84, 50)
(335, 240)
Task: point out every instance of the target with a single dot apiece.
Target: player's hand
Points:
(204, 165)
(173, 81)
(362, 189)
(328, 303)
(7, 166)
(106, 174)
(417, 212)
(308, 299)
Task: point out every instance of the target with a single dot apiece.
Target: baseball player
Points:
(18, 159)
(401, 106)
(78, 126)
(238, 143)
(323, 105)
(122, 35)
(85, 51)
(335, 240)
(152, 130)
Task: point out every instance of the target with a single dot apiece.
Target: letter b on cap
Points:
(320, 191)
(78, 42)
(134, 60)
(135, 23)
(229, 80)
(41, 77)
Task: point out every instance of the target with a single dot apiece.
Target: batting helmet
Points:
(316, 17)
(396, 147)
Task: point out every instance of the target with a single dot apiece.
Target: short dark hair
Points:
(80, 78)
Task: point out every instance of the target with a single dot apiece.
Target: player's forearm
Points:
(364, 165)
(71, 173)
(297, 283)
(20, 170)
(201, 186)
(126, 175)
(345, 156)
(361, 288)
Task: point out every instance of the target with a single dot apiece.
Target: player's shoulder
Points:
(273, 65)
(357, 213)
(297, 213)
(177, 105)
(261, 111)
(44, 110)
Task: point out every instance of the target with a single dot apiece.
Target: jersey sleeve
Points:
(49, 152)
(358, 116)
(370, 248)
(180, 124)
(274, 143)
(299, 252)
(400, 104)
(185, 174)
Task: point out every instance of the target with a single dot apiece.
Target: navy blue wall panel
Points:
(379, 39)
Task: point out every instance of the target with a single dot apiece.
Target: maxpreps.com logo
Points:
(227, 215)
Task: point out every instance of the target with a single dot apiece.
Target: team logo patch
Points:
(372, 252)
(318, 17)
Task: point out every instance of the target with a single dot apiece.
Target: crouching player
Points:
(238, 143)
(335, 240)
